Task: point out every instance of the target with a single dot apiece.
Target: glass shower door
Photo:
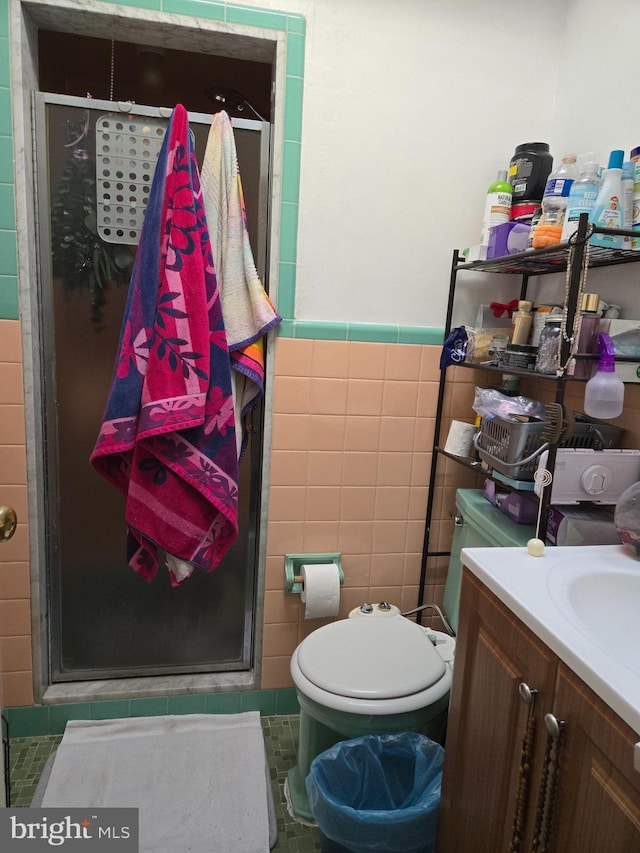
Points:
(104, 620)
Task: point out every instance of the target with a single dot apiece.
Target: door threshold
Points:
(148, 687)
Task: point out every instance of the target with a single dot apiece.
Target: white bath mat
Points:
(198, 780)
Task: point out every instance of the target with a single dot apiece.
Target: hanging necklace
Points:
(572, 339)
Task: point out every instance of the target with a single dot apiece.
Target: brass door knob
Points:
(8, 522)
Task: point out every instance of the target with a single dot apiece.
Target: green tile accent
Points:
(192, 703)
(59, 715)
(35, 720)
(296, 24)
(5, 65)
(370, 332)
(198, 8)
(222, 703)
(4, 19)
(250, 700)
(141, 4)
(27, 722)
(110, 709)
(321, 331)
(9, 300)
(149, 707)
(256, 17)
(287, 701)
(295, 55)
(288, 233)
(8, 258)
(268, 702)
(259, 700)
(6, 127)
(286, 329)
(286, 292)
(293, 109)
(6, 159)
(291, 152)
(375, 332)
(7, 208)
(419, 335)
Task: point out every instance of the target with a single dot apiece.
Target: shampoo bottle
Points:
(608, 210)
(627, 200)
(497, 207)
(604, 392)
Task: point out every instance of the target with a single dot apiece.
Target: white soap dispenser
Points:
(604, 392)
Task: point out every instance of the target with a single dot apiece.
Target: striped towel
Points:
(247, 310)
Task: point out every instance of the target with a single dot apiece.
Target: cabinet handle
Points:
(548, 784)
(528, 696)
(553, 725)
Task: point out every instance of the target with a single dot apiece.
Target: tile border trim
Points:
(38, 720)
(369, 332)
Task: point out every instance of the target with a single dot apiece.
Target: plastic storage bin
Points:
(512, 448)
(378, 793)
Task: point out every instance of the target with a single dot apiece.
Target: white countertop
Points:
(535, 589)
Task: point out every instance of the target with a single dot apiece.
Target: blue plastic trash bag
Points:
(378, 792)
(454, 349)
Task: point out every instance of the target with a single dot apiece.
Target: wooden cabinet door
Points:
(487, 722)
(597, 808)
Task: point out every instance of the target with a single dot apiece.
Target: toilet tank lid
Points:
(373, 658)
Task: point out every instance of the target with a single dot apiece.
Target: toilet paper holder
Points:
(293, 564)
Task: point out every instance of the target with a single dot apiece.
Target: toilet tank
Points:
(479, 524)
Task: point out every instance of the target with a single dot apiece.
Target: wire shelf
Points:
(550, 260)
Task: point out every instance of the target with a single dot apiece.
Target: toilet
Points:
(373, 675)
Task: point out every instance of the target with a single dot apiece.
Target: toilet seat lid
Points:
(376, 658)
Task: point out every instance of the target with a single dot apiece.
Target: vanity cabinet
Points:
(507, 785)
(488, 721)
(598, 796)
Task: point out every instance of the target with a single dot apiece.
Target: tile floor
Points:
(28, 756)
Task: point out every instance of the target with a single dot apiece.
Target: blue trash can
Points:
(378, 793)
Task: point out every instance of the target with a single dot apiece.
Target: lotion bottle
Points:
(608, 210)
(521, 324)
(497, 207)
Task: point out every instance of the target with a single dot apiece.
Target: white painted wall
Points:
(410, 108)
(595, 108)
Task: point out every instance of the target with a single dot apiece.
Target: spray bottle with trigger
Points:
(604, 392)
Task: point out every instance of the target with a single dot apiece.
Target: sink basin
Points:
(603, 603)
(583, 602)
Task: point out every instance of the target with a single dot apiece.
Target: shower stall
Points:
(104, 621)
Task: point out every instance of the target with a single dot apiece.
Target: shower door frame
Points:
(45, 377)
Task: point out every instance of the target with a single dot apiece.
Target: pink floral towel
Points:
(167, 440)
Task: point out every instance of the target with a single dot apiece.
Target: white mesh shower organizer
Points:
(127, 149)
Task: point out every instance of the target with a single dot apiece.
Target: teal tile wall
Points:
(8, 262)
(51, 719)
(294, 27)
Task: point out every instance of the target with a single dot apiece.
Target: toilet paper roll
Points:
(321, 590)
(460, 438)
